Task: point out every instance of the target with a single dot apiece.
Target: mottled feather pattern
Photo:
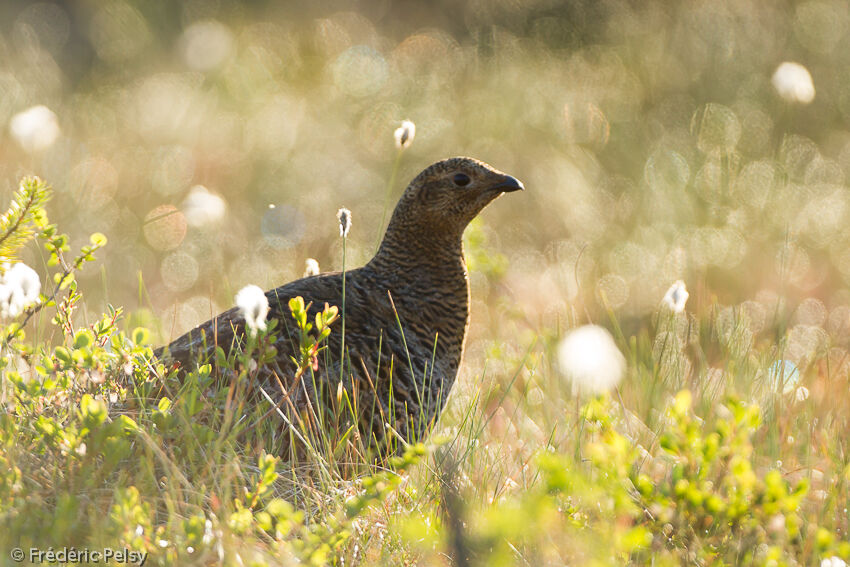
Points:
(418, 278)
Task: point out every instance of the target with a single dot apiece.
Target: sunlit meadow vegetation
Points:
(212, 142)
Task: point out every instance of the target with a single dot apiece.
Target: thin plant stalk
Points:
(342, 339)
(387, 195)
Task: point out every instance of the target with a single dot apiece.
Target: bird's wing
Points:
(227, 329)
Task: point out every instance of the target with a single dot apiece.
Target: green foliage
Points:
(309, 345)
(25, 218)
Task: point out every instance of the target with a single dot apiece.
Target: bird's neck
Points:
(427, 278)
(416, 259)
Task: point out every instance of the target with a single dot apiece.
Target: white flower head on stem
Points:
(254, 304)
(203, 207)
(676, 297)
(793, 82)
(311, 267)
(344, 216)
(404, 134)
(35, 128)
(19, 288)
(590, 360)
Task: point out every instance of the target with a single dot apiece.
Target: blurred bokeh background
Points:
(213, 143)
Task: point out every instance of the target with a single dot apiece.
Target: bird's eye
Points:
(461, 179)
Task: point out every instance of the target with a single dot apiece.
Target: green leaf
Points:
(98, 239)
(83, 339)
(61, 353)
(140, 336)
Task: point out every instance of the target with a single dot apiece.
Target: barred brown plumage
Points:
(406, 310)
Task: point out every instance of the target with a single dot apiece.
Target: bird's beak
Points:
(508, 184)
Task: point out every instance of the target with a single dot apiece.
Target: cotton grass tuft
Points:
(794, 83)
(19, 288)
(344, 216)
(676, 297)
(590, 360)
(254, 305)
(311, 267)
(35, 129)
(404, 134)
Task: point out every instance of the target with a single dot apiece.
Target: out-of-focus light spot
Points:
(282, 226)
(819, 25)
(823, 171)
(794, 83)
(165, 227)
(203, 307)
(202, 207)
(425, 52)
(757, 130)
(754, 315)
(170, 108)
(708, 181)
(613, 289)
(35, 129)
(755, 183)
(717, 129)
(360, 71)
(822, 218)
(633, 260)
(205, 45)
(667, 170)
(93, 182)
(804, 343)
(839, 322)
(793, 263)
(586, 124)
(796, 153)
(274, 127)
(733, 330)
(118, 32)
(811, 311)
(47, 22)
(179, 271)
(252, 268)
(173, 169)
(181, 317)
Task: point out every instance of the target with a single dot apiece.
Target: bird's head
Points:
(447, 195)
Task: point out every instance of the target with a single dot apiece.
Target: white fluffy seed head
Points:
(676, 297)
(590, 360)
(254, 305)
(344, 216)
(794, 83)
(201, 207)
(311, 267)
(404, 134)
(19, 288)
(35, 128)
